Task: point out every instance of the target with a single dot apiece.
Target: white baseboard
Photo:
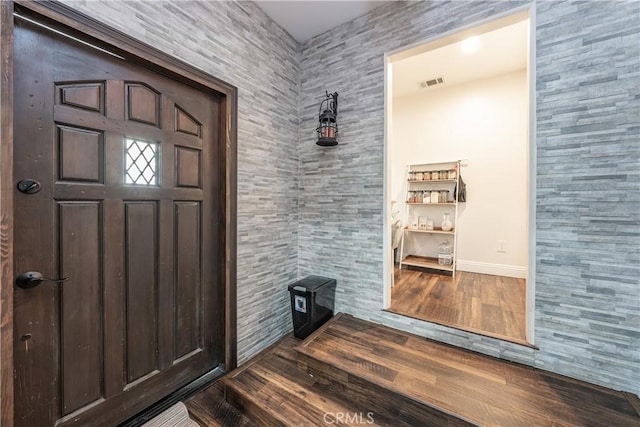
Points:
(493, 269)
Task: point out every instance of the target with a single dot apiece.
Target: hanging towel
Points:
(460, 193)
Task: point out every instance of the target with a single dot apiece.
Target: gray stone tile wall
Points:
(238, 43)
(309, 210)
(588, 198)
(588, 229)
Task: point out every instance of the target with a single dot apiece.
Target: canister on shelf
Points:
(435, 174)
(419, 176)
(418, 197)
(426, 175)
(412, 176)
(426, 197)
(452, 174)
(422, 222)
(435, 196)
(413, 221)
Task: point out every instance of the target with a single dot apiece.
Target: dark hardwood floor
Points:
(353, 372)
(479, 389)
(480, 303)
(209, 408)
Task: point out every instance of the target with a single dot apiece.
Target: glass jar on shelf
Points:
(418, 197)
(426, 175)
(419, 176)
(426, 197)
(447, 225)
(445, 248)
(435, 175)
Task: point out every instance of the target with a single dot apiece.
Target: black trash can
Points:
(312, 304)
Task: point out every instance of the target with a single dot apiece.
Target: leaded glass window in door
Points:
(141, 162)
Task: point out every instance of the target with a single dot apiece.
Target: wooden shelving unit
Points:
(436, 230)
(425, 262)
(411, 236)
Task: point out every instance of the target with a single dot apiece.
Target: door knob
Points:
(31, 279)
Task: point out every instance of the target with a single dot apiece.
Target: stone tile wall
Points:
(588, 191)
(309, 210)
(587, 198)
(237, 42)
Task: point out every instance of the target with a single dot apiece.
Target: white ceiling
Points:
(304, 19)
(501, 51)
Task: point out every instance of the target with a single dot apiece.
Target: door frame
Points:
(86, 28)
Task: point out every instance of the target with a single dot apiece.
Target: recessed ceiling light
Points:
(470, 45)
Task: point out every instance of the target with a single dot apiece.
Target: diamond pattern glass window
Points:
(140, 162)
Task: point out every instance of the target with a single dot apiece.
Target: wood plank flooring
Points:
(353, 372)
(275, 389)
(480, 303)
(209, 408)
(479, 389)
(280, 384)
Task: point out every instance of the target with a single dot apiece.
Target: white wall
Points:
(483, 123)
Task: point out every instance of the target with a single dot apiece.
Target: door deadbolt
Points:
(29, 186)
(31, 279)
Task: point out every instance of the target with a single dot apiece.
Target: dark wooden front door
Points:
(127, 210)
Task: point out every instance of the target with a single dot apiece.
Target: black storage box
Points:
(312, 304)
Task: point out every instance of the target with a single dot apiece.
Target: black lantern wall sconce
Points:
(327, 125)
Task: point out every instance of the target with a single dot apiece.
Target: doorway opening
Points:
(464, 99)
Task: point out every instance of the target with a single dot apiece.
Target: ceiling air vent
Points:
(432, 82)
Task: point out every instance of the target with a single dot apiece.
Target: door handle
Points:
(31, 279)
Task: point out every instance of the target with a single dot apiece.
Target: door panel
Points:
(80, 155)
(188, 167)
(143, 103)
(128, 212)
(85, 95)
(80, 237)
(142, 290)
(187, 280)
